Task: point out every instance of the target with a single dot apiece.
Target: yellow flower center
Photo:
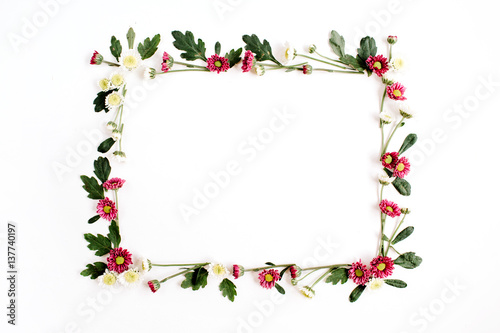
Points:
(130, 62)
(359, 273)
(131, 276)
(269, 278)
(114, 99)
(104, 84)
(218, 63)
(219, 270)
(377, 65)
(107, 209)
(400, 167)
(381, 266)
(109, 279)
(396, 93)
(119, 260)
(388, 159)
(117, 80)
(389, 209)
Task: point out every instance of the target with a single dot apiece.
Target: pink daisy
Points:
(402, 167)
(154, 285)
(247, 62)
(113, 183)
(293, 272)
(378, 64)
(119, 259)
(268, 278)
(238, 271)
(106, 209)
(218, 64)
(382, 267)
(167, 62)
(359, 274)
(389, 160)
(389, 208)
(396, 91)
(96, 58)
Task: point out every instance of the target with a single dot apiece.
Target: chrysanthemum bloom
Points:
(307, 69)
(384, 179)
(378, 64)
(119, 259)
(396, 91)
(295, 271)
(218, 271)
(359, 274)
(113, 183)
(382, 267)
(375, 284)
(154, 285)
(104, 84)
(114, 100)
(247, 61)
(405, 110)
(238, 271)
(130, 277)
(117, 79)
(389, 160)
(120, 156)
(130, 60)
(392, 39)
(268, 278)
(167, 62)
(389, 208)
(106, 209)
(96, 58)
(146, 265)
(260, 70)
(385, 118)
(398, 64)
(218, 64)
(289, 53)
(402, 168)
(307, 292)
(108, 279)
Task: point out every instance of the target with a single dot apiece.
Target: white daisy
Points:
(398, 64)
(108, 279)
(385, 118)
(289, 53)
(384, 179)
(116, 134)
(120, 156)
(259, 70)
(114, 100)
(117, 79)
(130, 60)
(405, 110)
(104, 84)
(130, 277)
(218, 270)
(111, 125)
(375, 284)
(307, 292)
(145, 265)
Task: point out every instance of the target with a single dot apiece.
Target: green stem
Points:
(382, 226)
(118, 211)
(114, 64)
(336, 71)
(395, 250)
(321, 277)
(266, 267)
(390, 52)
(177, 274)
(328, 266)
(302, 278)
(390, 137)
(189, 65)
(334, 60)
(381, 124)
(185, 70)
(181, 265)
(325, 62)
(394, 234)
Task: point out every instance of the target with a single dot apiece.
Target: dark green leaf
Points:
(200, 276)
(270, 263)
(396, 283)
(356, 293)
(99, 243)
(217, 48)
(283, 271)
(100, 101)
(115, 48)
(102, 169)
(402, 186)
(337, 43)
(262, 50)
(352, 62)
(148, 48)
(410, 140)
(114, 234)
(93, 188)
(95, 270)
(408, 260)
(228, 289)
(234, 56)
(131, 38)
(94, 219)
(367, 48)
(403, 235)
(338, 275)
(279, 289)
(186, 43)
(106, 145)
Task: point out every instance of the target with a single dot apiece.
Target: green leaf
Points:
(217, 48)
(196, 279)
(94, 219)
(337, 43)
(396, 283)
(185, 42)
(270, 263)
(234, 57)
(367, 48)
(338, 275)
(356, 293)
(408, 260)
(262, 50)
(148, 48)
(100, 101)
(410, 140)
(403, 235)
(131, 38)
(188, 281)
(114, 234)
(228, 289)
(116, 48)
(352, 62)
(280, 289)
(99, 243)
(95, 270)
(385, 238)
(283, 271)
(102, 169)
(402, 186)
(106, 145)
(93, 188)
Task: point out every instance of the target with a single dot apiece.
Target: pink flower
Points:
(396, 91)
(402, 168)
(218, 64)
(154, 285)
(389, 208)
(293, 272)
(96, 58)
(106, 209)
(307, 69)
(392, 39)
(247, 62)
(359, 274)
(389, 160)
(113, 183)
(238, 271)
(382, 267)
(167, 62)
(378, 64)
(268, 278)
(119, 259)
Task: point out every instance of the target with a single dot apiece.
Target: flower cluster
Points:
(380, 268)
(120, 269)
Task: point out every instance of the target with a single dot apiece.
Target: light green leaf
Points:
(228, 289)
(130, 38)
(337, 43)
(408, 260)
(149, 47)
(338, 275)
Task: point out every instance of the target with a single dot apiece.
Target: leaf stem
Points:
(334, 60)
(323, 61)
(185, 70)
(114, 64)
(265, 267)
(117, 210)
(177, 274)
(188, 64)
(390, 137)
(394, 234)
(321, 277)
(181, 265)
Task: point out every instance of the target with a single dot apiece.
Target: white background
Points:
(308, 197)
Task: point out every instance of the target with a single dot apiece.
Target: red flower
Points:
(106, 209)
(154, 285)
(119, 259)
(293, 272)
(218, 64)
(238, 271)
(268, 278)
(96, 59)
(402, 167)
(389, 160)
(378, 64)
(389, 208)
(382, 267)
(359, 274)
(247, 61)
(113, 183)
(167, 62)
(396, 91)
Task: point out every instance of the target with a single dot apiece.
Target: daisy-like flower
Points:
(218, 271)
(154, 285)
(167, 62)
(398, 64)
(359, 274)
(384, 179)
(116, 134)
(104, 84)
(117, 79)
(247, 61)
(96, 58)
(106, 209)
(375, 284)
(402, 168)
(131, 60)
(268, 278)
(218, 64)
(114, 100)
(120, 156)
(389, 208)
(113, 183)
(295, 271)
(111, 125)
(149, 73)
(145, 265)
(389, 160)
(378, 64)
(108, 279)
(405, 110)
(382, 267)
(396, 91)
(238, 271)
(385, 118)
(307, 69)
(130, 277)
(119, 259)
(307, 292)
(392, 39)
(260, 70)
(289, 53)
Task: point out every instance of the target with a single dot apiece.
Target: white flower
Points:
(130, 60)
(398, 64)
(260, 70)
(307, 292)
(218, 270)
(111, 125)
(375, 284)
(108, 279)
(385, 118)
(130, 277)
(104, 84)
(384, 179)
(405, 110)
(114, 100)
(145, 265)
(116, 135)
(289, 53)
(120, 156)
(117, 79)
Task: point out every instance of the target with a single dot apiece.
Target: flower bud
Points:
(392, 39)
(312, 48)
